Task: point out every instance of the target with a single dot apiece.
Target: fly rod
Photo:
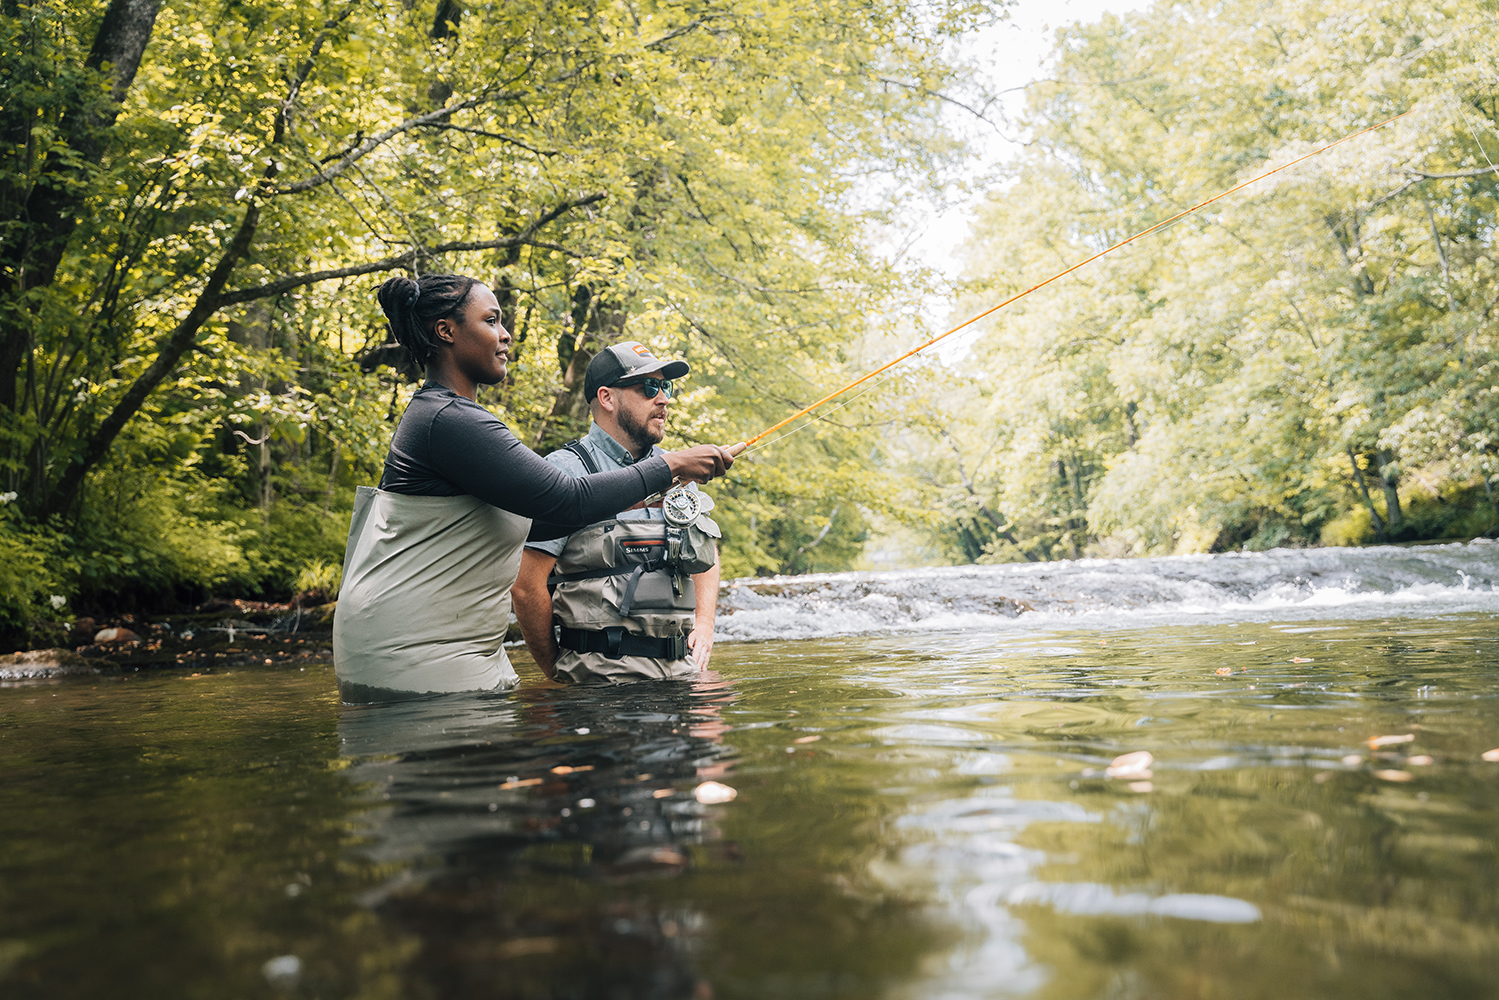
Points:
(739, 448)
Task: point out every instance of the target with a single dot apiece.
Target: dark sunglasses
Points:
(650, 387)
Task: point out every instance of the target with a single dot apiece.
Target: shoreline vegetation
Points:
(196, 205)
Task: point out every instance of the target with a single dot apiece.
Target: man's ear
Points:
(605, 399)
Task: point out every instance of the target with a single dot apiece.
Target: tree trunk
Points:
(1389, 479)
(29, 258)
(168, 354)
(598, 323)
(1358, 474)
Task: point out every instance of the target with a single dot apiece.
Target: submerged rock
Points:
(40, 664)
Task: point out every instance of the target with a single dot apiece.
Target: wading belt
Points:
(616, 642)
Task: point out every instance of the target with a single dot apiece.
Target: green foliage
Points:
(202, 377)
(34, 580)
(1317, 345)
(321, 577)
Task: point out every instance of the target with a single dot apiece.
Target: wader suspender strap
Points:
(576, 447)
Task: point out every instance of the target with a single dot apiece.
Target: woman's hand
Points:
(702, 462)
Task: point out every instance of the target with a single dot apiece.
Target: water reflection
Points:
(918, 816)
(515, 825)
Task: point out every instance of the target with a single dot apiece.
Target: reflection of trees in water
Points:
(519, 824)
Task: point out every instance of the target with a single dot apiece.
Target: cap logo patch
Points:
(643, 351)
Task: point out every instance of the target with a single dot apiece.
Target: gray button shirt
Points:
(607, 454)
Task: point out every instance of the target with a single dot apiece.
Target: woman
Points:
(433, 552)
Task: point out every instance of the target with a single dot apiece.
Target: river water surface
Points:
(924, 806)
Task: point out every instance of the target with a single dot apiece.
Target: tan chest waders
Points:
(622, 590)
(425, 596)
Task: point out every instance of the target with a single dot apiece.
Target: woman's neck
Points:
(449, 377)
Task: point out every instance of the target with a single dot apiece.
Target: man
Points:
(615, 625)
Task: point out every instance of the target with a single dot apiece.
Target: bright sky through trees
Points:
(1009, 55)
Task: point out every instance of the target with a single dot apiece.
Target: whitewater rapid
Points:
(1279, 585)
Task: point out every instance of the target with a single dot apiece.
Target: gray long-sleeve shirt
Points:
(447, 445)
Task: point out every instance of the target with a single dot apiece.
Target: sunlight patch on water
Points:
(1089, 900)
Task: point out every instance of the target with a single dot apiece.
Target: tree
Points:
(1261, 372)
(223, 185)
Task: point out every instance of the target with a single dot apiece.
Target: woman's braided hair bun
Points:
(412, 307)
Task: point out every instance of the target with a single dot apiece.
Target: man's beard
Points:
(640, 434)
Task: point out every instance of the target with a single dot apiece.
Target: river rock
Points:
(116, 635)
(45, 663)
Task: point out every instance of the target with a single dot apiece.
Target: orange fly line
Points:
(1060, 274)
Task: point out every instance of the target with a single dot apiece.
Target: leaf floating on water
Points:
(712, 793)
(806, 739)
(282, 971)
(1131, 765)
(1420, 760)
(1389, 741)
(1301, 659)
(661, 793)
(564, 769)
(1224, 671)
(1492, 755)
(521, 782)
(527, 946)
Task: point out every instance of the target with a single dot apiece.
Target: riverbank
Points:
(214, 634)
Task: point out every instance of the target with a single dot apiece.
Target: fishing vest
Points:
(622, 590)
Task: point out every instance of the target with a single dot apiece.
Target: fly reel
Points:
(683, 504)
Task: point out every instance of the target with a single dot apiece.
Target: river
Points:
(892, 785)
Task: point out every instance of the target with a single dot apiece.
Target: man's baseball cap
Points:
(630, 359)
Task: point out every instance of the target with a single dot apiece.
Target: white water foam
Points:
(1282, 584)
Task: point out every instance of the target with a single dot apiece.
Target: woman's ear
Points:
(445, 329)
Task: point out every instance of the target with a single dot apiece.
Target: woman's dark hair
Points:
(414, 305)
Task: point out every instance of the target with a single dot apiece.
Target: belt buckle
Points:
(614, 637)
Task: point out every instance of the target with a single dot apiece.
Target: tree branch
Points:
(410, 257)
(939, 96)
(1478, 172)
(675, 33)
(491, 135)
(374, 142)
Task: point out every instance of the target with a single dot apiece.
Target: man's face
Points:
(643, 420)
